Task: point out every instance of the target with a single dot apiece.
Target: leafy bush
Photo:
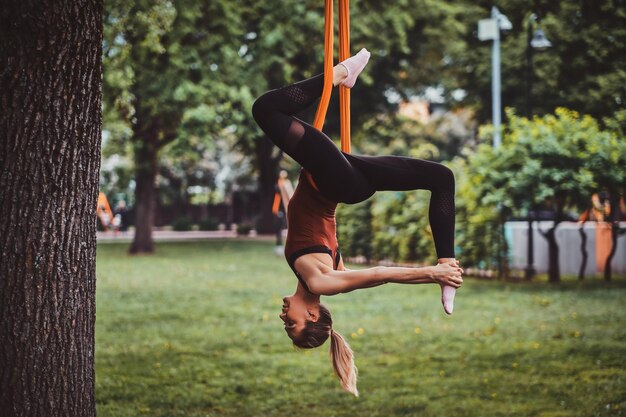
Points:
(209, 223)
(554, 163)
(243, 229)
(478, 228)
(354, 229)
(401, 229)
(391, 226)
(182, 224)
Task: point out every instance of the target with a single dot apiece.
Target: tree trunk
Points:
(50, 132)
(583, 251)
(615, 230)
(146, 165)
(268, 175)
(554, 273)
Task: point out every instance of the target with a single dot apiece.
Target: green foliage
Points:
(388, 226)
(169, 79)
(478, 231)
(583, 70)
(193, 331)
(181, 77)
(400, 227)
(616, 123)
(555, 162)
(182, 224)
(354, 229)
(209, 223)
(191, 70)
(243, 229)
(409, 41)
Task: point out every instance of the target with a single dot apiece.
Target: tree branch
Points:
(167, 138)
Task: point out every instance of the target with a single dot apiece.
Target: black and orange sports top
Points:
(311, 225)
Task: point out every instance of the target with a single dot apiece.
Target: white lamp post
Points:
(535, 40)
(489, 30)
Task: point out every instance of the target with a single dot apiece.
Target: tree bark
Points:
(554, 271)
(583, 251)
(50, 133)
(146, 166)
(615, 231)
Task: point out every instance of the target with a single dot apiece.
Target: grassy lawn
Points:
(194, 331)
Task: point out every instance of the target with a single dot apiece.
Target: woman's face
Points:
(295, 314)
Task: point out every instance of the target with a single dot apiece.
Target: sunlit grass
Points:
(194, 331)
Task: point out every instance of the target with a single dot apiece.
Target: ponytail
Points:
(315, 333)
(343, 362)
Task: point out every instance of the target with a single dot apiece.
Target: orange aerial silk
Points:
(276, 204)
(277, 199)
(344, 53)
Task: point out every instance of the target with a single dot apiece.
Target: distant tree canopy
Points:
(181, 76)
(170, 70)
(583, 70)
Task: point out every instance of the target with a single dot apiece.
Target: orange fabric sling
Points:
(278, 197)
(276, 204)
(344, 53)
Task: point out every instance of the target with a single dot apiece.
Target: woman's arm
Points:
(323, 280)
(341, 266)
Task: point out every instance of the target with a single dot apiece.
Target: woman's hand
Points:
(450, 261)
(446, 274)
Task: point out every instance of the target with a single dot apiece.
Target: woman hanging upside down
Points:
(329, 177)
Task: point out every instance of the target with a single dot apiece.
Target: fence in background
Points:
(569, 240)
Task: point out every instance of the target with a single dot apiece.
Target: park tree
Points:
(409, 41)
(260, 47)
(281, 45)
(50, 130)
(551, 163)
(583, 70)
(169, 68)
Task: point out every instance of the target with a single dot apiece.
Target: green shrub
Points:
(209, 223)
(391, 226)
(354, 229)
(182, 224)
(478, 236)
(401, 229)
(243, 229)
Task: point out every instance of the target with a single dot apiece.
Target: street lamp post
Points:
(535, 40)
(489, 29)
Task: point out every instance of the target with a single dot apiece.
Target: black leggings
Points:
(347, 178)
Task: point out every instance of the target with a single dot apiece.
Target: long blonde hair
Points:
(343, 362)
(316, 333)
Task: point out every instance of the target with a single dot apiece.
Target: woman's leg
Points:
(274, 112)
(395, 173)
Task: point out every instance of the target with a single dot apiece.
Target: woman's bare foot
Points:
(447, 298)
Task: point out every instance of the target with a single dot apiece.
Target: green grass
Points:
(194, 331)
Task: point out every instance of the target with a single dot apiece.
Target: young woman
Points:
(329, 177)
